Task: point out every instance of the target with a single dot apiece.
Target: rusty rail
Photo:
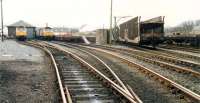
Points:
(64, 100)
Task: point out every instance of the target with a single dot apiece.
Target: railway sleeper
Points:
(78, 79)
(87, 85)
(82, 82)
(80, 97)
(78, 74)
(88, 91)
(95, 100)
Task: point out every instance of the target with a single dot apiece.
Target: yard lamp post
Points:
(111, 10)
(1, 21)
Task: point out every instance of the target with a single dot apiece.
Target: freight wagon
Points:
(150, 32)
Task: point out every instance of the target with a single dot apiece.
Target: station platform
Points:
(25, 75)
(11, 50)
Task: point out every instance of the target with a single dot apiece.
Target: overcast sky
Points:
(95, 13)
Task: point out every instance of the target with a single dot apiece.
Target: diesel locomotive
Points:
(21, 33)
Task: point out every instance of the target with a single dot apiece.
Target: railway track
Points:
(173, 54)
(187, 49)
(179, 89)
(167, 53)
(174, 63)
(82, 82)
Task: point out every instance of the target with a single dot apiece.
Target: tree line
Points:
(185, 27)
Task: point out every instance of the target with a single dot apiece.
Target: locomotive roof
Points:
(21, 23)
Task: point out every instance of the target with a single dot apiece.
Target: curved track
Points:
(84, 83)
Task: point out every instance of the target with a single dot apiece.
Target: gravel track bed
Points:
(186, 80)
(179, 55)
(182, 48)
(93, 61)
(162, 52)
(148, 90)
(67, 63)
(151, 56)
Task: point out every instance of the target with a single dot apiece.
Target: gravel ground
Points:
(26, 78)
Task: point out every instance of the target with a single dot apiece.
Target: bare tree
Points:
(187, 26)
(184, 28)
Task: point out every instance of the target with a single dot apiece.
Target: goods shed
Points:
(30, 30)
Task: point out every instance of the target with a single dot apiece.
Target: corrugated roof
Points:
(21, 23)
(155, 20)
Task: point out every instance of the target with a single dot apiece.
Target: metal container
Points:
(147, 32)
(102, 36)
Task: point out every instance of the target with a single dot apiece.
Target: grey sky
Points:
(95, 13)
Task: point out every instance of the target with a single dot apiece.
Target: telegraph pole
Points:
(1, 21)
(111, 9)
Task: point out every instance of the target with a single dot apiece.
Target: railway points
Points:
(184, 90)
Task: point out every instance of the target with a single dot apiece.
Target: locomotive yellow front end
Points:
(47, 33)
(21, 33)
